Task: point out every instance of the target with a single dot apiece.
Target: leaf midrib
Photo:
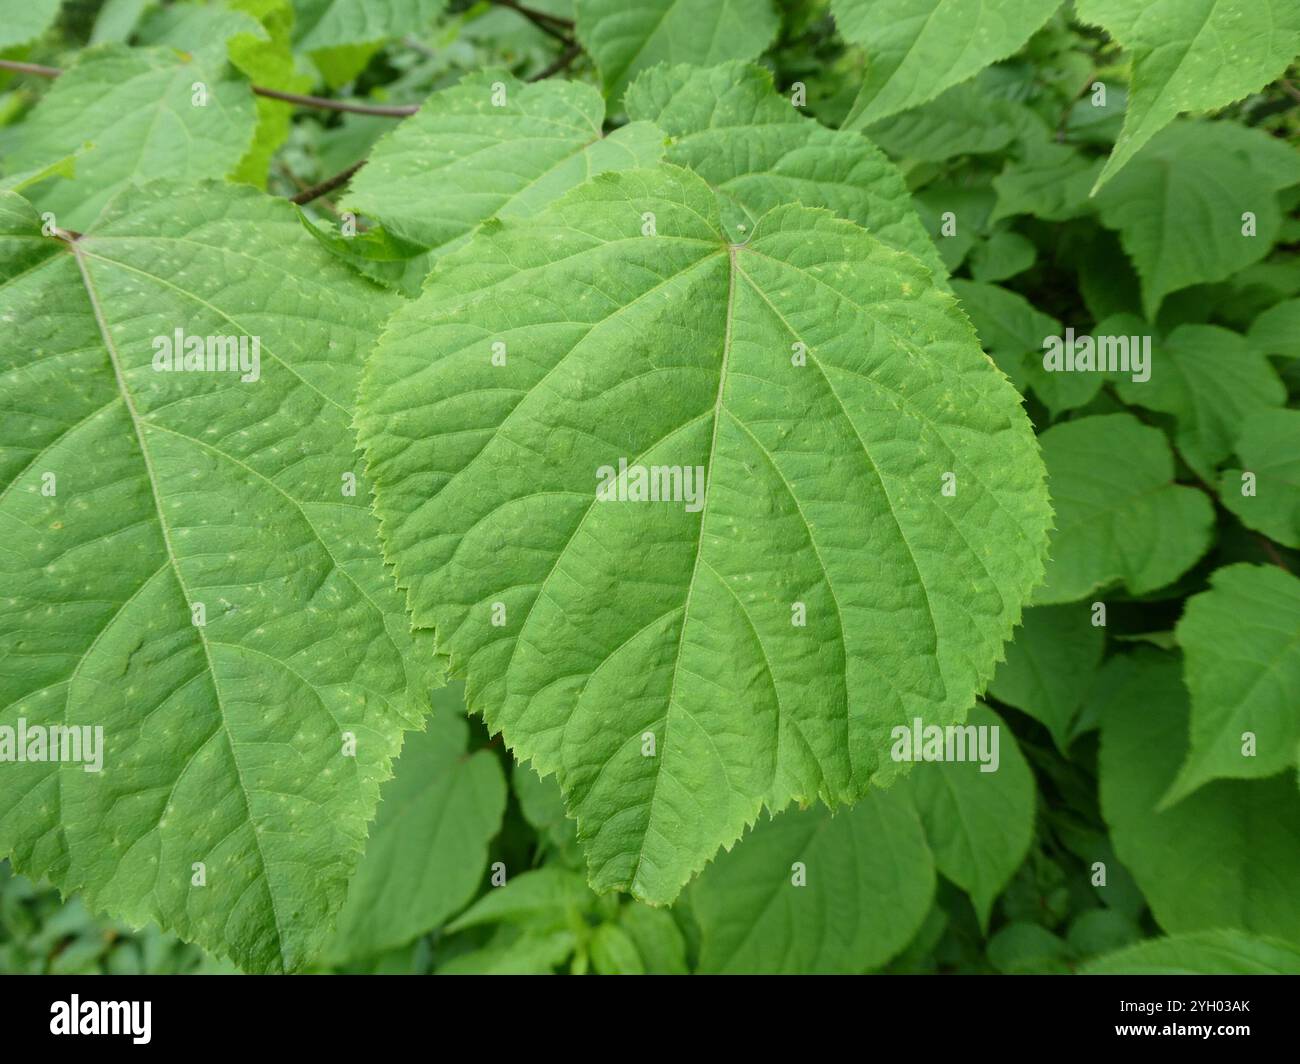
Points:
(128, 400)
(732, 270)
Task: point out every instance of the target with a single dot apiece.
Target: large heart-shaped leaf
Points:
(191, 565)
(852, 508)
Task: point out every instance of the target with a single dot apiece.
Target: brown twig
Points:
(537, 18)
(328, 185)
(383, 111)
(566, 58)
(419, 46)
(1274, 556)
(302, 186)
(1288, 88)
(351, 106)
(30, 68)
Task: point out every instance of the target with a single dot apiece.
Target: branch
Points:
(545, 22)
(302, 186)
(1289, 89)
(419, 46)
(328, 185)
(1272, 551)
(30, 68)
(570, 54)
(397, 111)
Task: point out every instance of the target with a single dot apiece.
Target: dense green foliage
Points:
(392, 678)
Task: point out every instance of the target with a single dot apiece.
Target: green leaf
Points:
(344, 63)
(1214, 383)
(1013, 331)
(613, 952)
(1050, 182)
(544, 898)
(510, 952)
(1101, 931)
(1051, 664)
(223, 741)
(462, 159)
(1241, 640)
(255, 35)
(116, 20)
(1022, 948)
(1108, 284)
(267, 62)
(321, 24)
(26, 179)
(136, 106)
(676, 350)
(1202, 953)
(968, 119)
(625, 39)
(979, 824)
(1060, 392)
(729, 125)
(197, 28)
(25, 21)
(1119, 516)
(1277, 330)
(969, 205)
(542, 803)
(918, 48)
(1192, 55)
(658, 940)
(1269, 448)
(1004, 254)
(428, 846)
(1097, 120)
(1228, 855)
(1010, 328)
(868, 879)
(377, 254)
(1179, 206)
